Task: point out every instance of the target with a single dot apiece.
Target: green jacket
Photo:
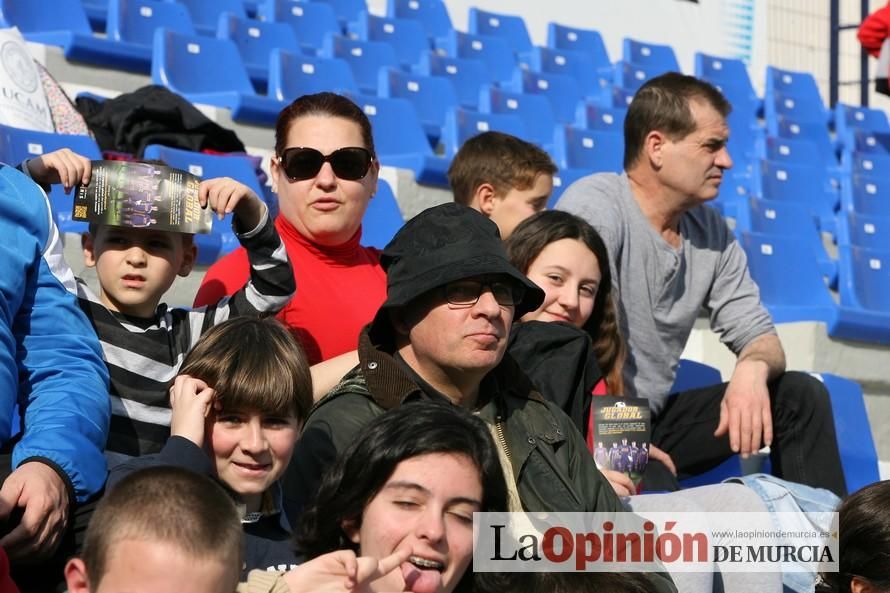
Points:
(554, 470)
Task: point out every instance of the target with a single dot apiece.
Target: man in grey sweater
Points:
(670, 257)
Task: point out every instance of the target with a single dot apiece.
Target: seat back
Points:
(792, 151)
(463, 124)
(494, 52)
(593, 116)
(432, 14)
(347, 11)
(863, 230)
(35, 16)
(534, 110)
(583, 40)
(592, 150)
(726, 70)
(660, 58)
(365, 59)
(562, 91)
(208, 166)
(406, 36)
(870, 195)
(575, 64)
(292, 75)
(865, 276)
(196, 64)
(468, 77)
(256, 40)
(382, 219)
(397, 129)
(510, 28)
(311, 21)
(135, 21)
(431, 96)
(205, 13)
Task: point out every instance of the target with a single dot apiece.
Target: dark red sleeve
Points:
(223, 278)
(7, 585)
(873, 30)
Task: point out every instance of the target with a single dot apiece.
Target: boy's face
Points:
(136, 266)
(137, 566)
(518, 204)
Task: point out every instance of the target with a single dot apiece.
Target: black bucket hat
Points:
(446, 243)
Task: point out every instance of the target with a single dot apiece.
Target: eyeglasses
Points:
(466, 293)
(351, 163)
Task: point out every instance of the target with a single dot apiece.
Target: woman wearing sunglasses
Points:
(324, 171)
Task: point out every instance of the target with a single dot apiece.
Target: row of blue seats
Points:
(382, 218)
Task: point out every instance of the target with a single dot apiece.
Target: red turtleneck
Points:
(339, 290)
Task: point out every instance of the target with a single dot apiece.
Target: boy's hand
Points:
(61, 166)
(343, 572)
(224, 195)
(191, 400)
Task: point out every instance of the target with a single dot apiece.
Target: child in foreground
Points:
(237, 407)
(144, 340)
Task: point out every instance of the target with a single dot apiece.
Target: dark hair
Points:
(535, 233)
(168, 505)
(864, 546)
(361, 471)
(586, 582)
(253, 364)
(504, 161)
(323, 104)
(663, 104)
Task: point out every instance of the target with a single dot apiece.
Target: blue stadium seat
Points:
(431, 96)
(510, 28)
(803, 152)
(593, 116)
(255, 41)
(346, 10)
(576, 64)
(400, 141)
(815, 132)
(655, 57)
(799, 109)
(857, 447)
(205, 13)
(864, 281)
(876, 164)
(132, 24)
(867, 194)
(494, 52)
(64, 23)
(365, 59)
(561, 181)
(562, 91)
(294, 74)
(432, 14)
(311, 21)
(863, 230)
(790, 219)
(463, 124)
(534, 110)
(806, 184)
(583, 40)
(630, 76)
(715, 69)
(871, 142)
(17, 145)
(593, 151)
(97, 13)
(790, 281)
(467, 76)
(210, 71)
(406, 36)
(382, 219)
(801, 86)
(621, 97)
(848, 119)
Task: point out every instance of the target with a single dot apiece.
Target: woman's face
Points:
(569, 273)
(427, 505)
(325, 209)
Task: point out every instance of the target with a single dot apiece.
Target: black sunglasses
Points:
(466, 292)
(351, 163)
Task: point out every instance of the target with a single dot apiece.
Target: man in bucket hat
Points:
(441, 335)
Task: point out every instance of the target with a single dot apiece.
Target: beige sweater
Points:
(261, 581)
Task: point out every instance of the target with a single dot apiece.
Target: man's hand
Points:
(39, 490)
(343, 572)
(61, 166)
(224, 195)
(191, 400)
(745, 409)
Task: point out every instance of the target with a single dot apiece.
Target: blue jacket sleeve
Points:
(63, 381)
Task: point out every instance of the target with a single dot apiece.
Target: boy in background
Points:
(160, 530)
(143, 340)
(503, 177)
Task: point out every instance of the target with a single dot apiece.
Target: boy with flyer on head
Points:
(143, 340)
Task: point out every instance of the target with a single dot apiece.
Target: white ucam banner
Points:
(22, 100)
